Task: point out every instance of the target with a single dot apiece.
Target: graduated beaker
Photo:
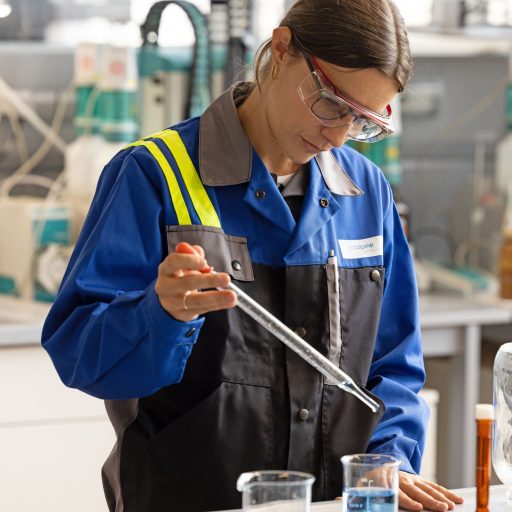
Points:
(283, 491)
(370, 483)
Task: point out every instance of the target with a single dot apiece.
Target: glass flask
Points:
(502, 427)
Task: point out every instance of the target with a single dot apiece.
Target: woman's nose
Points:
(336, 135)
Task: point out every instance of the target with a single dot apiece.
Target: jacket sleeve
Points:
(397, 371)
(107, 333)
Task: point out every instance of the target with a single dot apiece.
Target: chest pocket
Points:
(226, 253)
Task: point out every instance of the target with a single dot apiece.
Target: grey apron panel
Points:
(335, 339)
(225, 253)
(121, 414)
(360, 300)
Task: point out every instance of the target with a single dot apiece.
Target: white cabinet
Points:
(428, 464)
(53, 440)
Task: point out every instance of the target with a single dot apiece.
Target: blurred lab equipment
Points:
(175, 83)
(37, 235)
(502, 428)
(506, 265)
(37, 232)
(504, 184)
(453, 118)
(483, 415)
(105, 119)
(79, 173)
(370, 482)
(24, 19)
(239, 42)
(273, 490)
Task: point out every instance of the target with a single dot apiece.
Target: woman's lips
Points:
(311, 148)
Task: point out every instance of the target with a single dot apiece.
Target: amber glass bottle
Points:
(484, 415)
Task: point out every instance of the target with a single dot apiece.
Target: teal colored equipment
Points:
(177, 83)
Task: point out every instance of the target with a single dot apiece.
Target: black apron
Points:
(246, 402)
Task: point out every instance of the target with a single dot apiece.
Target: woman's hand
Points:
(181, 278)
(416, 493)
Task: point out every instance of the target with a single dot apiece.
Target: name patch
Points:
(365, 248)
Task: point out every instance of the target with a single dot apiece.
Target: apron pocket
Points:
(226, 253)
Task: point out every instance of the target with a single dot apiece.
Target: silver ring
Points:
(184, 303)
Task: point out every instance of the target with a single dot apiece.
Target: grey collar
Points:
(225, 153)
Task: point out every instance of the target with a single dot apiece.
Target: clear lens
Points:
(329, 109)
(333, 111)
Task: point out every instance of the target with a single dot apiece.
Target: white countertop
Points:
(438, 310)
(21, 321)
(497, 501)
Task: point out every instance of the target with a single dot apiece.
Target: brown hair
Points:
(355, 34)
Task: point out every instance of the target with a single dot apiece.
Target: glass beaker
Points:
(287, 491)
(370, 483)
(502, 427)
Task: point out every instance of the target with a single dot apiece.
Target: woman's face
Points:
(297, 133)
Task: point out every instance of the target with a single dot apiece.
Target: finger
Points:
(199, 250)
(422, 497)
(214, 300)
(427, 486)
(449, 494)
(408, 503)
(186, 248)
(175, 263)
(198, 281)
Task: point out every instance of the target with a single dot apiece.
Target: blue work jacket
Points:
(167, 381)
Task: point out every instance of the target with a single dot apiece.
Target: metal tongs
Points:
(301, 347)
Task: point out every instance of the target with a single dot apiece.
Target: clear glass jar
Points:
(502, 428)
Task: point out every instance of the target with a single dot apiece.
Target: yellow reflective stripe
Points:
(202, 204)
(176, 196)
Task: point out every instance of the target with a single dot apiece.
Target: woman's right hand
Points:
(182, 277)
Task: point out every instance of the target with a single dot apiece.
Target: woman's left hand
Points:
(417, 493)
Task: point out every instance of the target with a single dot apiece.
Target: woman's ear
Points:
(281, 39)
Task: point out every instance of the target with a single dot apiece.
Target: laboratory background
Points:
(81, 79)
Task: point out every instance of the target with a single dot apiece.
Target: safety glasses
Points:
(333, 109)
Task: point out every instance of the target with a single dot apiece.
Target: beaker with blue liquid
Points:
(370, 483)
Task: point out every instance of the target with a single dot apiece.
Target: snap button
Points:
(303, 415)
(190, 332)
(324, 203)
(236, 265)
(260, 194)
(300, 331)
(375, 275)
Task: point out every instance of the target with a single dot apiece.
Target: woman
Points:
(262, 189)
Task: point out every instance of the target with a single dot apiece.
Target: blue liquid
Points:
(369, 499)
